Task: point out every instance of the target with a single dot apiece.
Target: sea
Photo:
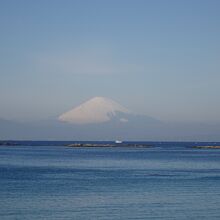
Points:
(170, 180)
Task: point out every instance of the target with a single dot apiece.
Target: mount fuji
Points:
(99, 110)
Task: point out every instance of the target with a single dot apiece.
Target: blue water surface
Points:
(166, 181)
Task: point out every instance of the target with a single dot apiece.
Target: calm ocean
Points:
(167, 181)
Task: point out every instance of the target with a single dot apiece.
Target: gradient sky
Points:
(160, 58)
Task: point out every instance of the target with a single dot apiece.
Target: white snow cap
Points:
(96, 110)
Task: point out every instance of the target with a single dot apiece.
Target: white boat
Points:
(118, 142)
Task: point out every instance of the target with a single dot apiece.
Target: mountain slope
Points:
(96, 110)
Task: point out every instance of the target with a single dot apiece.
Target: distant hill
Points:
(13, 130)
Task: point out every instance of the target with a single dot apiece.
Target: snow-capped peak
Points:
(95, 110)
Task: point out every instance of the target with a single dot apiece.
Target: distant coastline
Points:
(206, 147)
(106, 144)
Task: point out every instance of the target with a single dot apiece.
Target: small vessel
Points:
(118, 142)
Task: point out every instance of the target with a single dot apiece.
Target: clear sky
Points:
(160, 58)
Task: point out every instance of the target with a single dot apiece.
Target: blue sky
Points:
(159, 58)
